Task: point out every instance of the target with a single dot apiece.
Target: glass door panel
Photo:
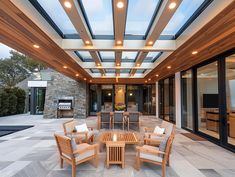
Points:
(132, 98)
(230, 93)
(40, 100)
(208, 100)
(107, 98)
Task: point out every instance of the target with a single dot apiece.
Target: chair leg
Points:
(138, 162)
(73, 170)
(61, 163)
(163, 170)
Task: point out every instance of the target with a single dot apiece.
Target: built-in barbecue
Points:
(65, 107)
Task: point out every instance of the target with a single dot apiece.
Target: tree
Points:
(16, 68)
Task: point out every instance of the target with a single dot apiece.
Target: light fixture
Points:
(36, 46)
(194, 52)
(119, 42)
(138, 64)
(77, 75)
(109, 94)
(67, 4)
(84, 79)
(87, 42)
(149, 79)
(172, 5)
(131, 94)
(168, 67)
(65, 67)
(150, 42)
(98, 64)
(120, 4)
(118, 64)
(90, 80)
(146, 81)
(157, 75)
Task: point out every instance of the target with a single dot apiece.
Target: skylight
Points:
(139, 16)
(129, 56)
(99, 16)
(84, 56)
(107, 56)
(152, 56)
(110, 70)
(57, 14)
(186, 9)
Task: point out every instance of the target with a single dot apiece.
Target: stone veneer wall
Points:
(62, 86)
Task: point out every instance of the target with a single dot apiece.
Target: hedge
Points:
(12, 101)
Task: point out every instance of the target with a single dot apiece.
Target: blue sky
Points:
(4, 51)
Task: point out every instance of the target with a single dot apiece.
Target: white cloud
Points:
(4, 51)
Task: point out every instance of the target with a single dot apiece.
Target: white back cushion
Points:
(158, 130)
(81, 128)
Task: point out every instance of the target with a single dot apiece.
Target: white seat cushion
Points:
(84, 155)
(150, 156)
(83, 136)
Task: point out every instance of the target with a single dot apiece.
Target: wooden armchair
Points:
(69, 130)
(75, 154)
(134, 118)
(155, 155)
(118, 118)
(152, 138)
(104, 118)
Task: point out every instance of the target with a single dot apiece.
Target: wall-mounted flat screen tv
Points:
(210, 100)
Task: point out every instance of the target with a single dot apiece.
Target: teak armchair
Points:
(134, 118)
(75, 154)
(118, 118)
(69, 130)
(155, 155)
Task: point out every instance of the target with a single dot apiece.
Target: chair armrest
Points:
(76, 133)
(152, 140)
(149, 151)
(147, 129)
(91, 147)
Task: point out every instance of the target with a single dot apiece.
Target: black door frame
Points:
(223, 126)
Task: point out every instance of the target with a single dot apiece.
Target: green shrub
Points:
(12, 103)
(21, 95)
(4, 103)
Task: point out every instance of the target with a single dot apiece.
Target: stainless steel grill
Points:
(65, 106)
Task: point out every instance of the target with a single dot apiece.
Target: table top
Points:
(127, 137)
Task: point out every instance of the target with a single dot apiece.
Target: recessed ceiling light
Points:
(36, 46)
(138, 64)
(90, 80)
(87, 42)
(119, 42)
(168, 67)
(67, 4)
(65, 67)
(98, 64)
(84, 79)
(157, 75)
(149, 79)
(172, 5)
(150, 42)
(194, 52)
(146, 81)
(118, 64)
(120, 4)
(77, 75)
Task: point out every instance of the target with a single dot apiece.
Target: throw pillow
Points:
(159, 130)
(81, 128)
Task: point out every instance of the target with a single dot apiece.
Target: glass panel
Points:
(120, 92)
(107, 56)
(208, 100)
(230, 92)
(187, 112)
(84, 55)
(133, 96)
(93, 94)
(99, 15)
(161, 99)
(107, 98)
(110, 70)
(95, 70)
(137, 23)
(141, 71)
(181, 16)
(129, 56)
(166, 100)
(152, 56)
(125, 70)
(56, 12)
(40, 100)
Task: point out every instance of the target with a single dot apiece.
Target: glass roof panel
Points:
(129, 56)
(110, 70)
(107, 56)
(56, 12)
(139, 16)
(94, 70)
(152, 56)
(125, 70)
(182, 15)
(99, 15)
(140, 71)
(84, 55)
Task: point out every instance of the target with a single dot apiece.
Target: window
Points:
(138, 23)
(152, 56)
(129, 56)
(99, 16)
(85, 56)
(107, 56)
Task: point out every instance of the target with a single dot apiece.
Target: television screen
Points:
(210, 100)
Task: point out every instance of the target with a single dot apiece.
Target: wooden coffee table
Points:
(126, 137)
